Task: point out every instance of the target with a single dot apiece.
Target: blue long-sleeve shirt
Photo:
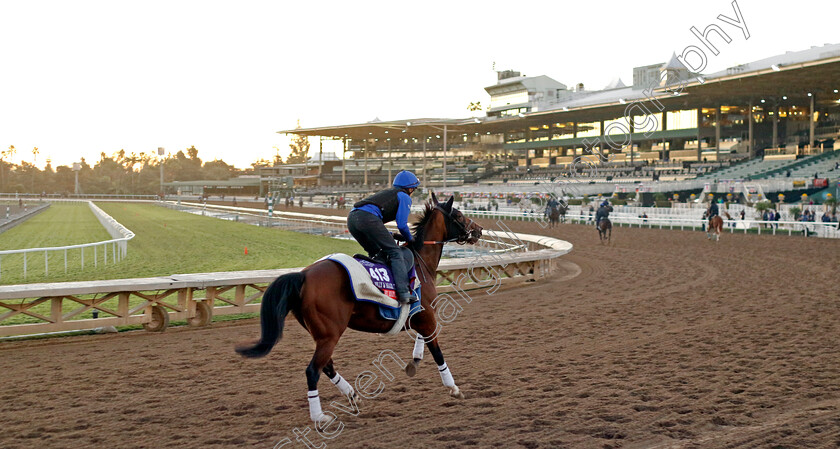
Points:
(403, 211)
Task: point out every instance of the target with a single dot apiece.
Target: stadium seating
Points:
(821, 164)
(751, 169)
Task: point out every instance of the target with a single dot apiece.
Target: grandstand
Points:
(751, 169)
(756, 121)
(819, 166)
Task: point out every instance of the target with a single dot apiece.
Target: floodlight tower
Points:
(77, 166)
(161, 152)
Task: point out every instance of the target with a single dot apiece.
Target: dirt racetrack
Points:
(662, 340)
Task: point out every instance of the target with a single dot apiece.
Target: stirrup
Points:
(407, 298)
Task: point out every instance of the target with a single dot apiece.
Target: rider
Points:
(603, 212)
(366, 223)
(713, 210)
(551, 205)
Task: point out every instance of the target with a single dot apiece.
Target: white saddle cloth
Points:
(360, 279)
(365, 290)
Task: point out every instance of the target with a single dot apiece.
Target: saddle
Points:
(369, 259)
(382, 276)
(372, 281)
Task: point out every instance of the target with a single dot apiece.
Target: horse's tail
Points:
(281, 297)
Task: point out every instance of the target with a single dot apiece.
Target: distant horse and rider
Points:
(603, 223)
(715, 226)
(555, 211)
(323, 301)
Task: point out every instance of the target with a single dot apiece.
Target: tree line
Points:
(119, 173)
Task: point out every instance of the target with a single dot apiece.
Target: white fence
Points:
(198, 297)
(117, 246)
(682, 222)
(75, 196)
(329, 225)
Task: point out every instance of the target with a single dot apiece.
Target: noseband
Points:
(464, 233)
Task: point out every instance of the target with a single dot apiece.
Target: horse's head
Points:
(458, 228)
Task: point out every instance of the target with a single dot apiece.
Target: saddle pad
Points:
(393, 313)
(362, 282)
(383, 277)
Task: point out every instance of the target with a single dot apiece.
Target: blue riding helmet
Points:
(406, 180)
(605, 203)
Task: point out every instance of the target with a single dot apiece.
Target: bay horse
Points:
(605, 230)
(557, 214)
(553, 216)
(322, 299)
(715, 227)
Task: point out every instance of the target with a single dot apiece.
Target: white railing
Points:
(198, 297)
(75, 196)
(814, 229)
(117, 246)
(331, 225)
(11, 221)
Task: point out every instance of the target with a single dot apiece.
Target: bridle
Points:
(460, 239)
(464, 233)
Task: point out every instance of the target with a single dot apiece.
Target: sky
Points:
(81, 78)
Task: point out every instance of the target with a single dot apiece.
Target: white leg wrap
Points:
(315, 412)
(446, 376)
(343, 386)
(419, 347)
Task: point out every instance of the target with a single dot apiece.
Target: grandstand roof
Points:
(531, 83)
(615, 84)
(793, 74)
(240, 181)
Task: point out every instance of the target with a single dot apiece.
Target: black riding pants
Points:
(599, 217)
(371, 233)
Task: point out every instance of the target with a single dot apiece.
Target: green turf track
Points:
(166, 242)
(61, 224)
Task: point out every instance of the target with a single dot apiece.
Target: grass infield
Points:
(166, 242)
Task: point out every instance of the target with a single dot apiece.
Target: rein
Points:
(423, 262)
(433, 242)
(462, 239)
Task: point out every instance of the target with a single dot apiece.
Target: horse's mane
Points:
(420, 225)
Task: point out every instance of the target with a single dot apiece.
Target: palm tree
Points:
(3, 155)
(34, 169)
(762, 206)
(129, 163)
(832, 203)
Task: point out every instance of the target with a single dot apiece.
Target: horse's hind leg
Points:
(323, 354)
(343, 386)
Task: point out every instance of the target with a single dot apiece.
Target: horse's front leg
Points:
(417, 356)
(445, 374)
